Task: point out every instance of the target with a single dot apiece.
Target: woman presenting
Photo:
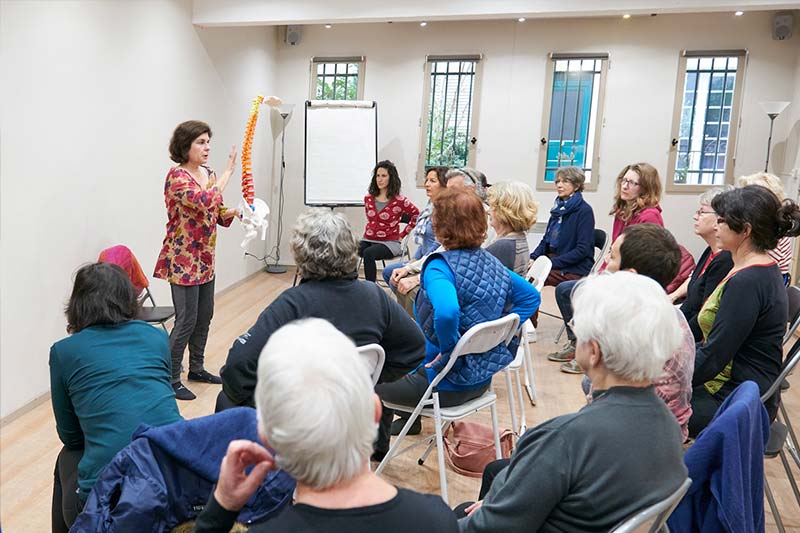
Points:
(193, 195)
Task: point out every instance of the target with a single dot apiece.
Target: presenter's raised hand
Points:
(235, 486)
(226, 176)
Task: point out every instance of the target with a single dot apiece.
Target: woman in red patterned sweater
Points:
(385, 207)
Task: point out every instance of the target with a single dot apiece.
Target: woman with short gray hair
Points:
(712, 266)
(324, 248)
(321, 436)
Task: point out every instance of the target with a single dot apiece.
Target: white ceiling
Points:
(278, 12)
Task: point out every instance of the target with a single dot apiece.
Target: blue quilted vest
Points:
(483, 286)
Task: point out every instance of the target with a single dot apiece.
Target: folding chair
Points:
(652, 519)
(374, 356)
(405, 256)
(521, 361)
(537, 275)
(123, 257)
(477, 340)
(601, 243)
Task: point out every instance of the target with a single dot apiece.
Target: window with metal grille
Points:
(575, 84)
(337, 78)
(449, 119)
(706, 120)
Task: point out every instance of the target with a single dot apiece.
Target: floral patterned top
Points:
(384, 224)
(193, 212)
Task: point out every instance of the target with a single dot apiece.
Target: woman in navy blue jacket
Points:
(569, 238)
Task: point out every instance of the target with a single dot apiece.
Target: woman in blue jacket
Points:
(569, 238)
(463, 286)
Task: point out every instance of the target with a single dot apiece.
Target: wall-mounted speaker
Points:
(293, 35)
(782, 25)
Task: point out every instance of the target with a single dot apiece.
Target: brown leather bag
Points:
(471, 447)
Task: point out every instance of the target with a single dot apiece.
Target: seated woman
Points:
(744, 318)
(109, 376)
(423, 231)
(569, 238)
(385, 207)
(712, 266)
(584, 471)
(448, 305)
(782, 253)
(322, 436)
(512, 212)
(324, 250)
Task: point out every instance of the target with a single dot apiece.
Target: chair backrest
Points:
(793, 295)
(653, 518)
(374, 356)
(602, 244)
(539, 271)
(481, 338)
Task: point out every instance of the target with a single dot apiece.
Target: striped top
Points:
(782, 254)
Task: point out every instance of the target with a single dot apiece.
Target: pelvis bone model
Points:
(254, 211)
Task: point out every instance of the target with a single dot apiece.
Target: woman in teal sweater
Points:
(109, 376)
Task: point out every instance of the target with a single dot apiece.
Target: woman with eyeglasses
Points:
(712, 266)
(744, 318)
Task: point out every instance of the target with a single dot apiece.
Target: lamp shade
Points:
(285, 109)
(774, 108)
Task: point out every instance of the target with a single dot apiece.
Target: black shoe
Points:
(204, 376)
(415, 429)
(377, 456)
(182, 393)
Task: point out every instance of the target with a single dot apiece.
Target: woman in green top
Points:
(744, 319)
(109, 376)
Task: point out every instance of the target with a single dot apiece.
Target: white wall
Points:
(639, 93)
(91, 92)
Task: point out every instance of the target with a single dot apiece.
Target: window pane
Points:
(337, 81)
(705, 117)
(573, 115)
(352, 68)
(449, 113)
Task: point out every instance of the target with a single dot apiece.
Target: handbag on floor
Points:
(469, 447)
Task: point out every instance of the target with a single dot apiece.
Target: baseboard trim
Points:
(25, 409)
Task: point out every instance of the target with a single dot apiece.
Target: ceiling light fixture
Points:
(521, 19)
(626, 16)
(423, 23)
(328, 26)
(739, 13)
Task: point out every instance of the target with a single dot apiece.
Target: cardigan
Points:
(650, 215)
(574, 246)
(384, 224)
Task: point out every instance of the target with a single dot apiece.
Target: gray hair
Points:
(632, 320)
(315, 403)
(472, 178)
(573, 175)
(323, 245)
(709, 194)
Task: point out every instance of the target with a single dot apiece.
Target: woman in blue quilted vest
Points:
(459, 288)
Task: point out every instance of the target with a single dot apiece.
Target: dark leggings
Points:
(66, 503)
(194, 308)
(489, 473)
(704, 407)
(371, 252)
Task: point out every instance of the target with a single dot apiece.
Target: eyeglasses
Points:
(700, 212)
(629, 183)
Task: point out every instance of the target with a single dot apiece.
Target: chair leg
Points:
(296, 275)
(394, 447)
(788, 468)
(530, 383)
(437, 420)
(773, 507)
(791, 442)
(560, 332)
(432, 443)
(164, 328)
(510, 391)
(523, 424)
(495, 429)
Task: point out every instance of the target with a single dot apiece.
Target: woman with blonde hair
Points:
(782, 254)
(636, 198)
(512, 211)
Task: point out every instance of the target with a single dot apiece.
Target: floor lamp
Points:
(772, 109)
(285, 110)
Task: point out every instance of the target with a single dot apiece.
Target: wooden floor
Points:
(29, 444)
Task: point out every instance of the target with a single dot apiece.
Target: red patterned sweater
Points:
(384, 225)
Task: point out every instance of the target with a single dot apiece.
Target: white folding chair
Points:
(521, 361)
(537, 275)
(652, 519)
(374, 356)
(477, 340)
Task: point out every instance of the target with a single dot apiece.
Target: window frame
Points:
(734, 124)
(543, 142)
(424, 122)
(359, 60)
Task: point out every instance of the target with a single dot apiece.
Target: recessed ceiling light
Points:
(328, 26)
(521, 19)
(626, 16)
(423, 24)
(739, 13)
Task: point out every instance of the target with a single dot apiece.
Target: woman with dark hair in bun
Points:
(744, 319)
